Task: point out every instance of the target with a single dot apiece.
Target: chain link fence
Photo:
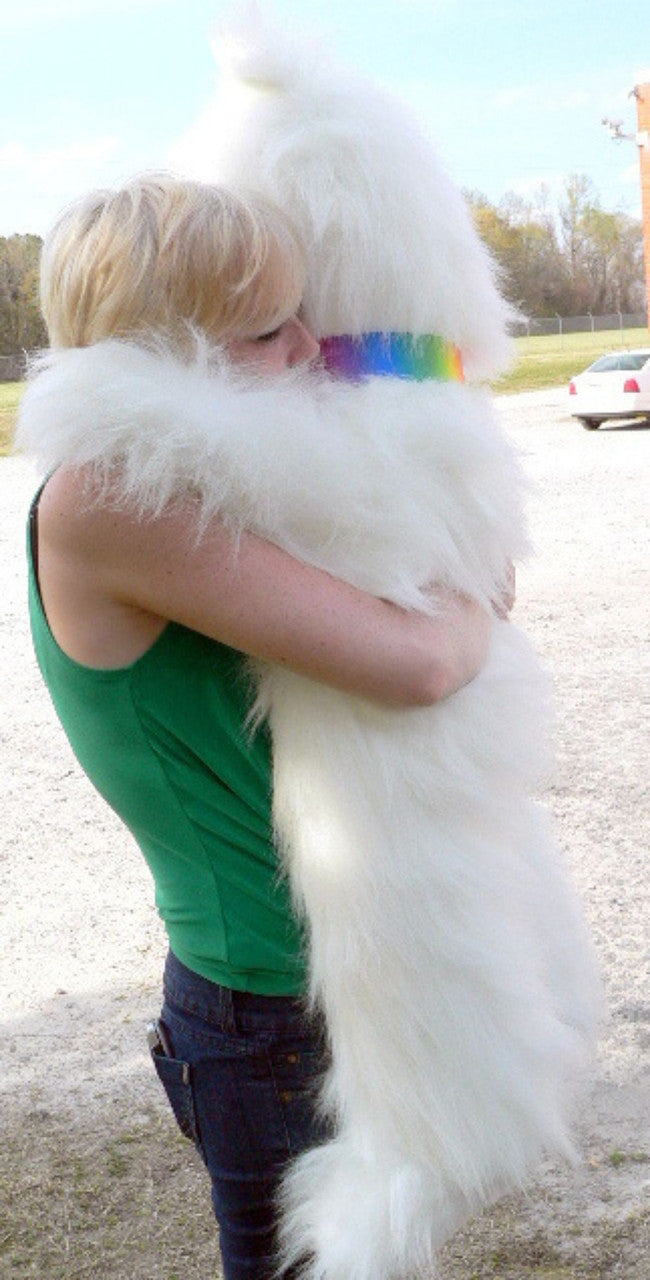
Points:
(554, 325)
(12, 368)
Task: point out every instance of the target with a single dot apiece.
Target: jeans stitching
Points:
(280, 1104)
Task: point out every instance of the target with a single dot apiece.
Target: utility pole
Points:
(642, 94)
(642, 138)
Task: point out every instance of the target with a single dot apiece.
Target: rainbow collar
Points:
(396, 355)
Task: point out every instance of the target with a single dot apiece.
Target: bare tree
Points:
(578, 259)
(21, 324)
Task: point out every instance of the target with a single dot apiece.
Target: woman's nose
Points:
(304, 346)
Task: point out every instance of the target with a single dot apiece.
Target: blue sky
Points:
(513, 92)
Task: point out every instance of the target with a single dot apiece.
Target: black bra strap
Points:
(33, 529)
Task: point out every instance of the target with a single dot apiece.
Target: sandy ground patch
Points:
(81, 948)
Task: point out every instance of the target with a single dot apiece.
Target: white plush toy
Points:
(447, 949)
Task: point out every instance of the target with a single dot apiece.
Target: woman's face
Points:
(283, 348)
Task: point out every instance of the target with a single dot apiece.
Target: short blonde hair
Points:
(162, 253)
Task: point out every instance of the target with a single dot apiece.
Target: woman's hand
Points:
(462, 642)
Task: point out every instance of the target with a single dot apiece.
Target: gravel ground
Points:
(81, 947)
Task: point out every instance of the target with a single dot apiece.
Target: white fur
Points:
(389, 238)
(447, 949)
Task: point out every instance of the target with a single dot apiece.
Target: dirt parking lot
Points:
(94, 1181)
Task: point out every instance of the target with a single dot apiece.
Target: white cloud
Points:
(35, 184)
(51, 11)
(515, 97)
(192, 154)
(630, 176)
(13, 156)
(620, 101)
(17, 157)
(541, 98)
(569, 101)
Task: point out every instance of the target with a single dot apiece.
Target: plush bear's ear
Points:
(251, 46)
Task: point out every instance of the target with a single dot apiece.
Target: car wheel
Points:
(590, 424)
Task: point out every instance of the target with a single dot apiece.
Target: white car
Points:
(616, 386)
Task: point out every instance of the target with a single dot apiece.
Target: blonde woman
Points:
(146, 611)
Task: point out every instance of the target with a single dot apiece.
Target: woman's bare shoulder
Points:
(80, 534)
(76, 507)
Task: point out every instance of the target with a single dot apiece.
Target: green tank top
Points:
(163, 741)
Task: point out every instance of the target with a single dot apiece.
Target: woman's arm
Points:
(110, 580)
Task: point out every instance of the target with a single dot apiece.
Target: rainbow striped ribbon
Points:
(396, 355)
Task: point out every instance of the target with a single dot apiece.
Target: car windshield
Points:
(626, 360)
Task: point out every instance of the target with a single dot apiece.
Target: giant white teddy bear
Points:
(446, 946)
(448, 952)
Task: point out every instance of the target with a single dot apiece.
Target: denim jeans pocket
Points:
(176, 1079)
(298, 1078)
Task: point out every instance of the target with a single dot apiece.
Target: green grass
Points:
(10, 393)
(618, 1158)
(552, 361)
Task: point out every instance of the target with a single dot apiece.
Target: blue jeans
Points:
(242, 1081)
